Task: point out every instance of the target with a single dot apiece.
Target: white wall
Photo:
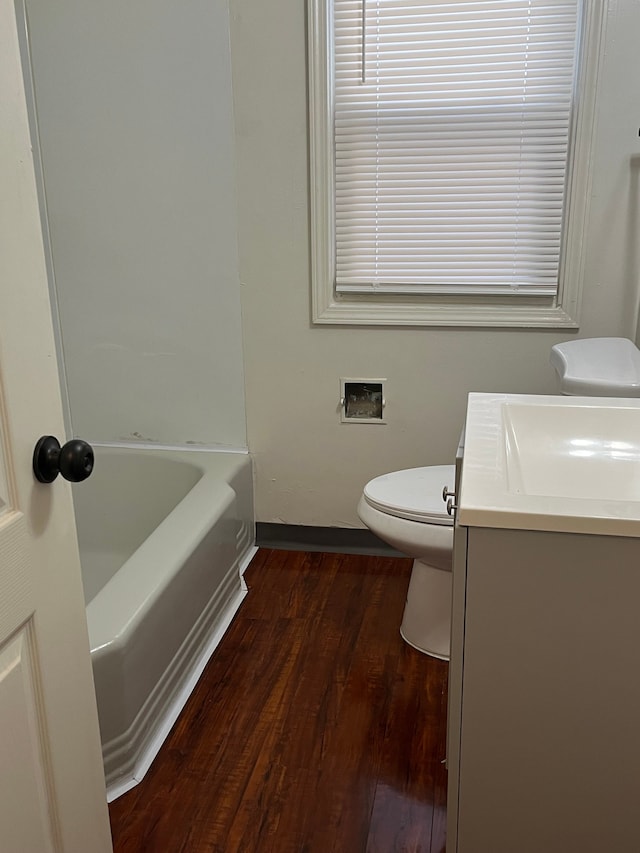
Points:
(310, 469)
(135, 115)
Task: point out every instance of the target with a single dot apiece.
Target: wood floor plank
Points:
(314, 727)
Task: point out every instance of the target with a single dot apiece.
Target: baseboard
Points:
(336, 540)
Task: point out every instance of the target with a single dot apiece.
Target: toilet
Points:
(406, 508)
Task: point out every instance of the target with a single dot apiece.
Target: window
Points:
(450, 154)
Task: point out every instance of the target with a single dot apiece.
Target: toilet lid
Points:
(600, 367)
(414, 494)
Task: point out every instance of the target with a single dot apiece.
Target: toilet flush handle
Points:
(448, 497)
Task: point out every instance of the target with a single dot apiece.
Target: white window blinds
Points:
(452, 126)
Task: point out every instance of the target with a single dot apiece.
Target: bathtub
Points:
(164, 539)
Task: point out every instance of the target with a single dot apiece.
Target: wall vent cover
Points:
(362, 401)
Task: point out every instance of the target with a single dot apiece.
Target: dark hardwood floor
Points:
(313, 729)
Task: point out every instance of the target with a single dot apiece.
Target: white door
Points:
(52, 795)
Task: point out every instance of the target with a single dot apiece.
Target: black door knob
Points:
(74, 460)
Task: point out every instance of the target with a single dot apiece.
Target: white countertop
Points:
(567, 464)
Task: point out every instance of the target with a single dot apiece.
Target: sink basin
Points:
(566, 450)
(569, 464)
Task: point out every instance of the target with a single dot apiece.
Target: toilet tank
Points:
(597, 367)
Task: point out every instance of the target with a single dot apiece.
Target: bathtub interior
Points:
(183, 521)
(127, 496)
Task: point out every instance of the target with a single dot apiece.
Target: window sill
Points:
(369, 313)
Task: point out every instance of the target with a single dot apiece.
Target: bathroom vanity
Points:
(543, 746)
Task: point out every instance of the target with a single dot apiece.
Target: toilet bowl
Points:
(406, 510)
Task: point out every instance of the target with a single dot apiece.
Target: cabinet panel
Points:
(454, 706)
(550, 751)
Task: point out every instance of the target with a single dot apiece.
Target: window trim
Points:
(510, 311)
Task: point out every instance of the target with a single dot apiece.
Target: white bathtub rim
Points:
(210, 496)
(147, 755)
(215, 469)
(172, 448)
(117, 604)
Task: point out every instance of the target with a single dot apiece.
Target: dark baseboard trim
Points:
(335, 540)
